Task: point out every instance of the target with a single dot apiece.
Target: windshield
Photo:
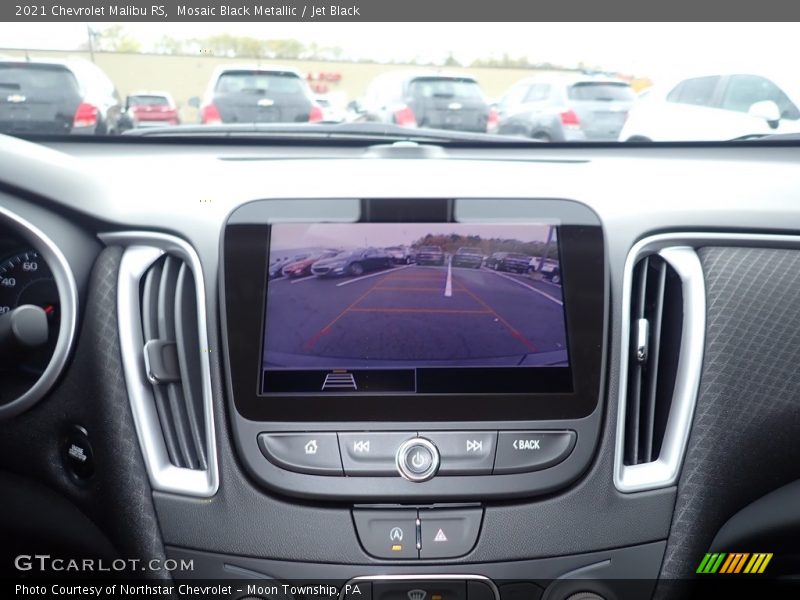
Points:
(468, 251)
(427, 82)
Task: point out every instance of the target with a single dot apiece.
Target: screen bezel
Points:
(245, 248)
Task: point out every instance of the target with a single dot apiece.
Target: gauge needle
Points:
(49, 309)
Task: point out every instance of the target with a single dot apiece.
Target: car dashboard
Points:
(150, 431)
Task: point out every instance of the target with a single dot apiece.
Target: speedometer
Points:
(25, 278)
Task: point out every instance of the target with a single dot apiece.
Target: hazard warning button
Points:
(448, 533)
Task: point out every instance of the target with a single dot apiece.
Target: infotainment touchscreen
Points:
(393, 308)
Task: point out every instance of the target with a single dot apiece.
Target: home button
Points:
(313, 453)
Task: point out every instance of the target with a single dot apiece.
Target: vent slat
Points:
(166, 299)
(635, 372)
(655, 319)
(186, 335)
(648, 409)
(152, 282)
(166, 332)
(177, 404)
(149, 308)
(167, 426)
(169, 317)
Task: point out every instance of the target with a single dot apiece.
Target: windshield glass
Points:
(511, 82)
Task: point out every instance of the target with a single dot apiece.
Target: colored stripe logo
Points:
(734, 562)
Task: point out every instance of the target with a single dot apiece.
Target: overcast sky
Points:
(291, 235)
(643, 49)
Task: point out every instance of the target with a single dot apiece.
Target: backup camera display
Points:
(414, 308)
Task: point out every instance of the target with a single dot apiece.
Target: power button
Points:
(417, 459)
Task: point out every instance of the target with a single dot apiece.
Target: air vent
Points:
(171, 359)
(663, 334)
(656, 317)
(162, 320)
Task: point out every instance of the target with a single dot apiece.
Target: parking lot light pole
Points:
(90, 38)
(546, 251)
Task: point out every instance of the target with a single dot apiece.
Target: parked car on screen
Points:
(152, 109)
(276, 266)
(256, 94)
(301, 268)
(468, 257)
(553, 275)
(715, 107)
(42, 96)
(549, 264)
(401, 255)
(432, 99)
(352, 262)
(509, 261)
(550, 270)
(430, 255)
(565, 108)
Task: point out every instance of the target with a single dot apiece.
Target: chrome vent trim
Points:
(142, 251)
(663, 471)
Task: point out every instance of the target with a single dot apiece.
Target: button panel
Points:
(417, 456)
(424, 533)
